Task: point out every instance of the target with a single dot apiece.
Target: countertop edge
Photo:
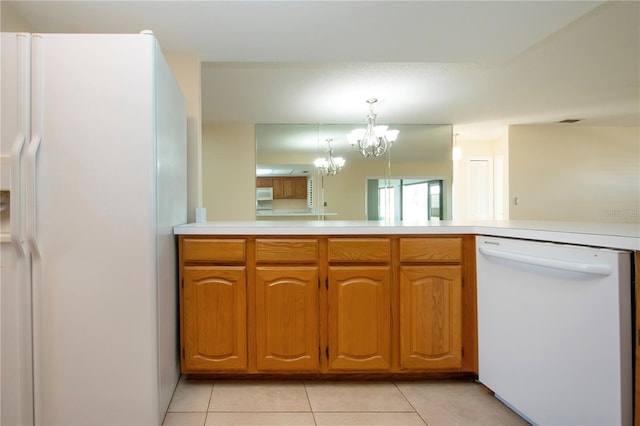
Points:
(616, 236)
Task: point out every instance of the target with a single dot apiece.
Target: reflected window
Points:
(404, 199)
(386, 197)
(415, 201)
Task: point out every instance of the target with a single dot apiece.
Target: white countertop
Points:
(292, 213)
(620, 236)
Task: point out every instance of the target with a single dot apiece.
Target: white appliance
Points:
(554, 330)
(94, 137)
(264, 194)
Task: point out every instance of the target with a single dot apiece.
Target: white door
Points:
(479, 188)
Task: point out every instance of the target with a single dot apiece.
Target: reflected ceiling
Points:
(416, 142)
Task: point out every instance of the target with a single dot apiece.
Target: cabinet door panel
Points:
(359, 318)
(264, 182)
(278, 188)
(430, 317)
(300, 188)
(287, 318)
(289, 187)
(214, 318)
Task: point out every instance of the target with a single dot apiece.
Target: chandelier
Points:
(375, 140)
(330, 165)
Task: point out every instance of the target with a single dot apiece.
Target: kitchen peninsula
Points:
(616, 236)
(332, 298)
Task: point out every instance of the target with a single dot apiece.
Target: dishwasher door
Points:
(554, 330)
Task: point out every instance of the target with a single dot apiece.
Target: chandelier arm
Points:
(372, 144)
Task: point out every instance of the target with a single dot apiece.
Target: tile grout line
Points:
(313, 414)
(409, 402)
(206, 414)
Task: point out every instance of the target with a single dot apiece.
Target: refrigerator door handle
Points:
(31, 202)
(548, 263)
(16, 186)
(34, 148)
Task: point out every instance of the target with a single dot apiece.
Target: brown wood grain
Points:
(359, 318)
(287, 323)
(356, 250)
(213, 250)
(291, 318)
(278, 250)
(431, 317)
(432, 249)
(214, 316)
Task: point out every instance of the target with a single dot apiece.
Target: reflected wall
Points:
(421, 151)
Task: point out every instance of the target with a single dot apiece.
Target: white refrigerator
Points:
(93, 179)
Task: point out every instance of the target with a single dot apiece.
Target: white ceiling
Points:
(476, 64)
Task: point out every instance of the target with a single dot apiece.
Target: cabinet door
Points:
(359, 318)
(299, 188)
(287, 318)
(431, 317)
(290, 187)
(214, 332)
(278, 188)
(264, 182)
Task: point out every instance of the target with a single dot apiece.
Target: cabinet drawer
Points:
(430, 249)
(359, 250)
(213, 250)
(286, 250)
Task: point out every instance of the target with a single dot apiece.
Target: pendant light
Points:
(330, 165)
(375, 139)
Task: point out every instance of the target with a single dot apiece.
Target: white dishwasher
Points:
(555, 330)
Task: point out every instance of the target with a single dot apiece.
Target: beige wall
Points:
(228, 175)
(574, 173)
(11, 22)
(186, 69)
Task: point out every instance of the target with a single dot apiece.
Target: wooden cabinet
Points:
(264, 182)
(359, 298)
(214, 318)
(287, 316)
(290, 187)
(327, 304)
(359, 318)
(430, 317)
(213, 305)
(430, 303)
(287, 328)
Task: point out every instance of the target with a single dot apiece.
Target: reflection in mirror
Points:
(421, 154)
(410, 200)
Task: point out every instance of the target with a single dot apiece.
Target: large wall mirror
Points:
(411, 182)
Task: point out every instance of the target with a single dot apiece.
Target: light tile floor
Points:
(209, 403)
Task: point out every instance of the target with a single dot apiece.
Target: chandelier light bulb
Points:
(375, 139)
(330, 165)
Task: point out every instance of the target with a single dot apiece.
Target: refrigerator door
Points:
(16, 401)
(94, 235)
